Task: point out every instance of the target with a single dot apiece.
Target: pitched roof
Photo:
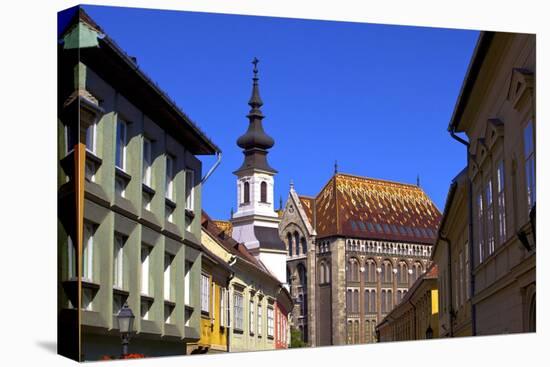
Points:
(234, 247)
(112, 63)
(308, 203)
(354, 206)
(224, 225)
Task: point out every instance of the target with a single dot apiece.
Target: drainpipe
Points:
(414, 318)
(229, 323)
(470, 231)
(449, 285)
(211, 170)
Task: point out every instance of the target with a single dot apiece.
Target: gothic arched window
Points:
(246, 193)
(322, 273)
(263, 192)
(417, 270)
(386, 272)
(370, 271)
(353, 270)
(304, 246)
(297, 243)
(327, 273)
(289, 239)
(403, 273)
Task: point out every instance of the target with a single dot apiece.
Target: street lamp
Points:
(429, 333)
(125, 320)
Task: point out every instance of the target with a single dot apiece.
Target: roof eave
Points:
(476, 62)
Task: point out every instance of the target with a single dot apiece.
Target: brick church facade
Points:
(353, 251)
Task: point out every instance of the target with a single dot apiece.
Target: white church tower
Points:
(255, 223)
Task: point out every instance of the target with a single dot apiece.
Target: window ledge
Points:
(147, 298)
(90, 156)
(119, 172)
(189, 308)
(170, 203)
(148, 190)
(189, 214)
(121, 292)
(167, 302)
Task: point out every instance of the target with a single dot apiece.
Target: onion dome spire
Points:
(255, 142)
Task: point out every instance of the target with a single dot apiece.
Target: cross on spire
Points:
(335, 167)
(255, 62)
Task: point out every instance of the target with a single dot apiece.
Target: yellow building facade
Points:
(251, 298)
(416, 317)
(215, 277)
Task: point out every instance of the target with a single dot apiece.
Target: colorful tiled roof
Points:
(354, 206)
(225, 226)
(308, 203)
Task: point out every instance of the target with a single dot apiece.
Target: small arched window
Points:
(403, 273)
(246, 193)
(386, 272)
(297, 243)
(370, 271)
(263, 192)
(304, 246)
(322, 273)
(327, 273)
(289, 240)
(353, 270)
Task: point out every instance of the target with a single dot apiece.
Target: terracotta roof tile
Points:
(355, 206)
(229, 243)
(308, 204)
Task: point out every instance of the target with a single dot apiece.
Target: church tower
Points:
(255, 223)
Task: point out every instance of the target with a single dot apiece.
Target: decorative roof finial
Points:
(291, 184)
(231, 213)
(255, 100)
(335, 167)
(281, 202)
(418, 180)
(255, 62)
(255, 142)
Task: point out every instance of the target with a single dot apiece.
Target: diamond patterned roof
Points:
(354, 206)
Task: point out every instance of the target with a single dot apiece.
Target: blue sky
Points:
(376, 98)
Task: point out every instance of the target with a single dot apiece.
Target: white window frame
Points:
(168, 260)
(251, 316)
(121, 126)
(118, 261)
(169, 189)
(501, 201)
(223, 296)
(187, 282)
(93, 130)
(88, 252)
(189, 189)
(270, 321)
(489, 216)
(480, 231)
(238, 310)
(147, 155)
(205, 293)
(259, 317)
(145, 257)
